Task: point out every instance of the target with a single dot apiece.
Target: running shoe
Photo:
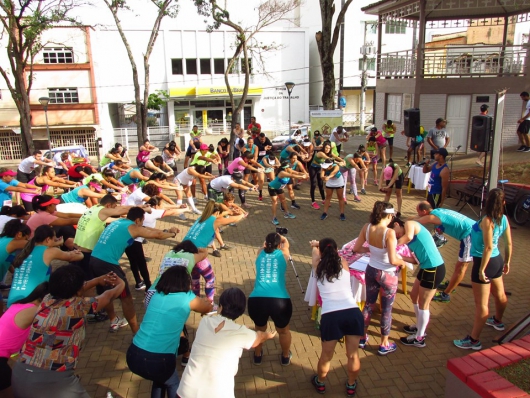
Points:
(297, 187)
(275, 221)
(182, 216)
(117, 323)
(97, 317)
(289, 215)
(443, 285)
(184, 361)
(351, 192)
(362, 342)
(467, 344)
(140, 286)
(324, 216)
(356, 198)
(363, 191)
(260, 198)
(376, 182)
(439, 241)
(197, 211)
(521, 148)
(351, 389)
(412, 329)
(479, 163)
(195, 200)
(315, 206)
(385, 350)
(442, 297)
(491, 321)
(233, 224)
(295, 206)
(246, 206)
(342, 217)
(527, 149)
(225, 247)
(413, 341)
(319, 387)
(257, 359)
(286, 361)
(216, 253)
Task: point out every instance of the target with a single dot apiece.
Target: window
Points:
(176, 66)
(243, 65)
(58, 55)
(370, 64)
(396, 27)
(63, 95)
(219, 66)
(191, 66)
(393, 107)
(206, 66)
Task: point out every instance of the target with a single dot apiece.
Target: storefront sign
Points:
(213, 91)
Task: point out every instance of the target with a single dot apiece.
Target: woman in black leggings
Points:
(314, 172)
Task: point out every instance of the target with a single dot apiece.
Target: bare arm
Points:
(391, 243)
(358, 247)
(507, 249)
(262, 337)
(201, 305)
(487, 227)
(445, 185)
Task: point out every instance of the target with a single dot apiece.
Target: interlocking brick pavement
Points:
(409, 372)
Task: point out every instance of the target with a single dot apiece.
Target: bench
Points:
(511, 193)
(472, 191)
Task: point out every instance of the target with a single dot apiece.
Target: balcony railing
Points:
(456, 61)
(350, 119)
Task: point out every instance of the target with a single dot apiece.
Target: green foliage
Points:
(157, 99)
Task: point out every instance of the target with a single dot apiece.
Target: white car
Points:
(279, 142)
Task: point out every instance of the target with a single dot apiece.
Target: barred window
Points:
(63, 95)
(58, 55)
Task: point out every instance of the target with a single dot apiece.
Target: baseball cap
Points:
(237, 176)
(326, 165)
(8, 173)
(203, 147)
(442, 151)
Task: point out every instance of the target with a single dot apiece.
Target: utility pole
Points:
(341, 63)
(366, 48)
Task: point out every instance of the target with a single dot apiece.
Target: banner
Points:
(325, 121)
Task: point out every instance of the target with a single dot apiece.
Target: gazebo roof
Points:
(450, 9)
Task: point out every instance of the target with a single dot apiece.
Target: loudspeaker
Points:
(481, 133)
(412, 122)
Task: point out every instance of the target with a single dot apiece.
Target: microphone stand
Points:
(451, 166)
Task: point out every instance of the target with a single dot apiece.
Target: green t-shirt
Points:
(97, 176)
(172, 259)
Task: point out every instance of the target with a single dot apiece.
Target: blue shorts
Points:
(464, 254)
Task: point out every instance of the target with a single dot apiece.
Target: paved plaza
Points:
(409, 372)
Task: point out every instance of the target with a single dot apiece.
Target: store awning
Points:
(211, 91)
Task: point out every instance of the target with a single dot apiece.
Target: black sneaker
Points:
(324, 216)
(410, 329)
(412, 341)
(526, 149)
(216, 253)
(351, 389)
(295, 206)
(257, 360)
(521, 148)
(225, 247)
(319, 387)
(140, 286)
(286, 361)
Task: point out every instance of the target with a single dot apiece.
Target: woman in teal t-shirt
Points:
(488, 267)
(152, 354)
(270, 298)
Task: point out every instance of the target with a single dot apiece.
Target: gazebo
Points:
(454, 80)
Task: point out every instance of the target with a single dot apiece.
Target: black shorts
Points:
(337, 324)
(27, 205)
(390, 141)
(524, 127)
(247, 171)
(190, 153)
(398, 184)
(274, 192)
(430, 278)
(100, 267)
(60, 172)
(434, 199)
(5, 374)
(25, 177)
(278, 309)
(75, 179)
(493, 269)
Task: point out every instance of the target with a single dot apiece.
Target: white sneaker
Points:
(117, 324)
(197, 211)
(182, 216)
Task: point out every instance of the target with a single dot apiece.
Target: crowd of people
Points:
(117, 205)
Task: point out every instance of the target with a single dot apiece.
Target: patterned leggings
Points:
(387, 283)
(205, 269)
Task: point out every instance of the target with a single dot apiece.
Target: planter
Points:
(472, 376)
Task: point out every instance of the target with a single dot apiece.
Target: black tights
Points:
(136, 256)
(314, 175)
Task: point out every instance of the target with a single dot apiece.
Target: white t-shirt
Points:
(332, 138)
(136, 198)
(221, 183)
(27, 165)
(150, 220)
(527, 110)
(4, 220)
(184, 178)
(214, 358)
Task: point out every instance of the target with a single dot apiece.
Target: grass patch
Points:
(518, 374)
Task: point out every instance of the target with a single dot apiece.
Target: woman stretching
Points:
(488, 268)
(354, 165)
(46, 180)
(315, 172)
(283, 175)
(341, 316)
(223, 149)
(331, 175)
(396, 181)
(247, 165)
(270, 298)
(381, 273)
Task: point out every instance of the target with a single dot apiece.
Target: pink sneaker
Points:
(315, 206)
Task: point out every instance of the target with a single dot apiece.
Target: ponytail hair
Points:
(330, 264)
(13, 227)
(379, 212)
(272, 241)
(41, 234)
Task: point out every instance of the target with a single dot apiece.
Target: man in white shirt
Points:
(338, 136)
(220, 185)
(26, 168)
(524, 125)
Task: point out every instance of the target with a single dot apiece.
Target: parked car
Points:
(76, 151)
(279, 142)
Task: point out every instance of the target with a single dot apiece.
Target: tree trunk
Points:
(23, 105)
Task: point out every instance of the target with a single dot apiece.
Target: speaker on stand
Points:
(411, 119)
(481, 141)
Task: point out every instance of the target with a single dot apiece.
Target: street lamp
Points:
(44, 102)
(289, 86)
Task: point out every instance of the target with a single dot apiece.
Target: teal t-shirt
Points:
(73, 195)
(163, 321)
(113, 241)
(477, 239)
(279, 183)
(454, 224)
(284, 154)
(270, 275)
(202, 234)
(6, 195)
(31, 273)
(127, 180)
(5, 258)
(425, 249)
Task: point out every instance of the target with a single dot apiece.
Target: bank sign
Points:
(212, 91)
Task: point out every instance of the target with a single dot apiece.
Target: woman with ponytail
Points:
(270, 298)
(341, 316)
(33, 264)
(382, 271)
(284, 174)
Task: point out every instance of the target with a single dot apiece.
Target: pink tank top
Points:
(235, 166)
(28, 197)
(12, 338)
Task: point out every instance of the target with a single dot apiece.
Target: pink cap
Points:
(8, 173)
(203, 147)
